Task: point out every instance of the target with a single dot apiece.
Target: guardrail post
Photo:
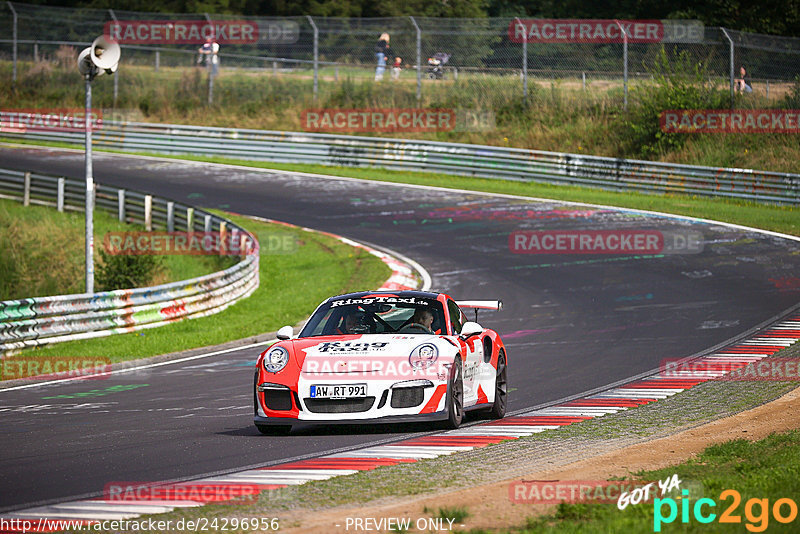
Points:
(170, 216)
(26, 190)
(316, 55)
(121, 205)
(730, 59)
(14, 37)
(158, 60)
(60, 199)
(207, 224)
(190, 219)
(223, 244)
(148, 213)
(419, 59)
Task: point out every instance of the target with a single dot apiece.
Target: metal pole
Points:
(14, 37)
(60, 197)
(116, 72)
(316, 55)
(624, 61)
(89, 237)
(524, 58)
(730, 42)
(158, 60)
(210, 65)
(419, 59)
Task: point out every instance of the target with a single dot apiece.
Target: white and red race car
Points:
(382, 357)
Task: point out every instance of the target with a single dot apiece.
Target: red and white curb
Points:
(635, 393)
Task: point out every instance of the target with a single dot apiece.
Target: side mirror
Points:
(470, 329)
(285, 332)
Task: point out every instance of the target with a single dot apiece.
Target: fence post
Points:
(60, 197)
(121, 205)
(316, 55)
(158, 60)
(730, 42)
(210, 66)
(624, 62)
(207, 224)
(170, 216)
(26, 191)
(583, 77)
(148, 213)
(767, 89)
(36, 52)
(14, 37)
(524, 59)
(190, 219)
(419, 59)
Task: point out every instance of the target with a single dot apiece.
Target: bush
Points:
(678, 83)
(126, 272)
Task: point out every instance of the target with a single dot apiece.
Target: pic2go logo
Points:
(756, 511)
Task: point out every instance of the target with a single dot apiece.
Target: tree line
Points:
(776, 17)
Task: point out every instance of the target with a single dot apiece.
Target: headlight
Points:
(423, 356)
(276, 359)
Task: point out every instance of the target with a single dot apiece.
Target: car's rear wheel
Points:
(455, 397)
(498, 410)
(274, 430)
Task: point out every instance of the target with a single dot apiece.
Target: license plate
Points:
(341, 391)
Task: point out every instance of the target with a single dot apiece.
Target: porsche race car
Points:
(382, 357)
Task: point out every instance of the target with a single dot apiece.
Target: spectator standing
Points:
(742, 83)
(382, 53)
(398, 65)
(209, 50)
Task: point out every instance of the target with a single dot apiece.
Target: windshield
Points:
(376, 315)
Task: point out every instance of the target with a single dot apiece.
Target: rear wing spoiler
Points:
(494, 305)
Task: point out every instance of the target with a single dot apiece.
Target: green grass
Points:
(558, 116)
(292, 285)
(43, 252)
(766, 469)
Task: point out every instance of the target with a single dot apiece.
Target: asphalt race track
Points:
(571, 322)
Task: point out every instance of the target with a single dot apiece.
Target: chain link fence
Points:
(491, 58)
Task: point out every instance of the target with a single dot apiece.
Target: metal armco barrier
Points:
(41, 320)
(451, 158)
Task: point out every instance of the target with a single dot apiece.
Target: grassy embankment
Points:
(560, 115)
(292, 283)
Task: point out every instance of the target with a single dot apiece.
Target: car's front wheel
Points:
(498, 410)
(455, 397)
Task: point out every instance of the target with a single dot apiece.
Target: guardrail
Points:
(43, 320)
(451, 158)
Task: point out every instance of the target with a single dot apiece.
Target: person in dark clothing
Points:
(382, 52)
(742, 83)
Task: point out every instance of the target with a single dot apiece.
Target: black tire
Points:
(274, 430)
(455, 397)
(498, 410)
